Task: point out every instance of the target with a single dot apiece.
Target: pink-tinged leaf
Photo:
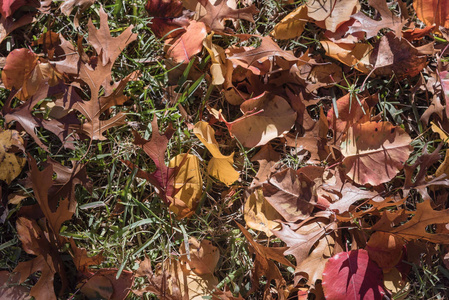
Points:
(352, 275)
(18, 67)
(444, 79)
(188, 44)
(375, 152)
(8, 7)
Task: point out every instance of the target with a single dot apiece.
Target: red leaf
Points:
(352, 275)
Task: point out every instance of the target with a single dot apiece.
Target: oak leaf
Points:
(352, 275)
(416, 227)
(267, 158)
(374, 152)
(163, 177)
(371, 27)
(330, 14)
(220, 166)
(10, 290)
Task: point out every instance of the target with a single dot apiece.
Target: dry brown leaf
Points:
(267, 158)
(432, 12)
(220, 166)
(375, 152)
(332, 13)
(385, 249)
(183, 47)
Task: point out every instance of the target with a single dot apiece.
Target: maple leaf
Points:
(371, 27)
(375, 152)
(217, 12)
(163, 178)
(290, 194)
(352, 275)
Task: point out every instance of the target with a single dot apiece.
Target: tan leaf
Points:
(292, 25)
(203, 256)
(375, 152)
(432, 12)
(332, 12)
(394, 282)
(188, 182)
(10, 164)
(220, 166)
(385, 249)
(183, 47)
(259, 214)
(218, 58)
(355, 55)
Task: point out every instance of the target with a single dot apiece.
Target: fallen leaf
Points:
(163, 177)
(395, 283)
(10, 290)
(10, 164)
(218, 58)
(267, 158)
(385, 249)
(432, 12)
(18, 67)
(266, 117)
(183, 47)
(375, 152)
(8, 7)
(259, 214)
(220, 166)
(219, 11)
(292, 195)
(105, 282)
(352, 275)
(332, 13)
(188, 184)
(355, 55)
(415, 228)
(393, 55)
(292, 25)
(371, 27)
(8, 25)
(68, 5)
(202, 257)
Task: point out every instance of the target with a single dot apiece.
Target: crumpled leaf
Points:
(10, 290)
(375, 152)
(8, 25)
(266, 117)
(202, 257)
(10, 164)
(218, 58)
(352, 275)
(8, 7)
(371, 27)
(188, 183)
(259, 214)
(267, 158)
(220, 166)
(396, 56)
(292, 25)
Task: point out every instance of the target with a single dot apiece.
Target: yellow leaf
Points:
(259, 214)
(444, 167)
(292, 25)
(10, 164)
(356, 55)
(218, 57)
(220, 166)
(436, 129)
(189, 182)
